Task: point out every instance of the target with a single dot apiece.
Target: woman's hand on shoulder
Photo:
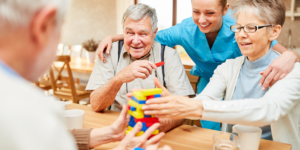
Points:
(278, 69)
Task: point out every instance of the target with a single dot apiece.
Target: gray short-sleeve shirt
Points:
(176, 79)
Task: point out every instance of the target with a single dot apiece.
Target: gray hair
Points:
(18, 13)
(140, 11)
(270, 11)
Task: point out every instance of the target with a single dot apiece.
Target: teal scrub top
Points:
(188, 35)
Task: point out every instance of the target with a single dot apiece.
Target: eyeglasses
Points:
(247, 28)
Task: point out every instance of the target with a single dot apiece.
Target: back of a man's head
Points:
(29, 34)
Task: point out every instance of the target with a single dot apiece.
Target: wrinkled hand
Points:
(119, 126)
(105, 45)
(157, 84)
(277, 70)
(138, 69)
(131, 141)
(175, 107)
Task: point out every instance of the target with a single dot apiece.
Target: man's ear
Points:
(275, 32)
(43, 25)
(155, 32)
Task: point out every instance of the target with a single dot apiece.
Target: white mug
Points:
(249, 137)
(74, 118)
(62, 106)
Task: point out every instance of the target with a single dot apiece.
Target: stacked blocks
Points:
(135, 104)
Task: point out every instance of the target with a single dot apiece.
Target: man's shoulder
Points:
(169, 52)
(20, 93)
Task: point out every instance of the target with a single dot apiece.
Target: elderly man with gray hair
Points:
(131, 65)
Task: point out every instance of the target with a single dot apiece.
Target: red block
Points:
(159, 64)
(149, 124)
(147, 120)
(128, 107)
(149, 97)
(151, 136)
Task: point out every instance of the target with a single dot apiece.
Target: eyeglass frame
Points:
(256, 28)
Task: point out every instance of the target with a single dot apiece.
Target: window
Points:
(163, 10)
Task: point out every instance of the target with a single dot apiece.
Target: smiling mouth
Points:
(137, 48)
(204, 25)
(245, 44)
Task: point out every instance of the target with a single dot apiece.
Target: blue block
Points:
(138, 101)
(132, 108)
(144, 128)
(157, 96)
(131, 121)
(137, 148)
(147, 116)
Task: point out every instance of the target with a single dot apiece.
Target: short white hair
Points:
(18, 13)
(140, 11)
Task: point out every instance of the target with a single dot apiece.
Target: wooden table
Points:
(184, 137)
(80, 65)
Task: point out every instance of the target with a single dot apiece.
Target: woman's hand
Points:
(176, 107)
(131, 141)
(278, 69)
(106, 44)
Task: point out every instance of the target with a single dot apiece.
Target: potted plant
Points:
(91, 47)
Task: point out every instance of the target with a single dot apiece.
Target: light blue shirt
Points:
(7, 69)
(247, 85)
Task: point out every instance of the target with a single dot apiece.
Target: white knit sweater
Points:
(279, 107)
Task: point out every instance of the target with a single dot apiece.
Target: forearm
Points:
(117, 37)
(101, 136)
(104, 96)
(167, 124)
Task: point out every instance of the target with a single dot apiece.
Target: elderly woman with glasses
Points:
(275, 109)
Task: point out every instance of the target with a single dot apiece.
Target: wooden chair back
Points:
(64, 86)
(193, 79)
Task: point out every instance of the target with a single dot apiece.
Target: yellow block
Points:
(128, 130)
(136, 114)
(140, 133)
(149, 92)
(135, 104)
(156, 131)
(138, 95)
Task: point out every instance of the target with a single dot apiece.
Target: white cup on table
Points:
(249, 137)
(74, 118)
(62, 106)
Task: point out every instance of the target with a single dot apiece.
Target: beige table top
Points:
(184, 137)
(79, 64)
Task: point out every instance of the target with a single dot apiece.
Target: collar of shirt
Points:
(7, 69)
(262, 63)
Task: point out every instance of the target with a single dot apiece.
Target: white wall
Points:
(122, 5)
(88, 19)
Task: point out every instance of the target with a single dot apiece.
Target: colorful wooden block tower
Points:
(137, 114)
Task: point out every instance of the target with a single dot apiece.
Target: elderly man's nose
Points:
(136, 39)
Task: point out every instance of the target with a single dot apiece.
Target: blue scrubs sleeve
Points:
(274, 42)
(170, 36)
